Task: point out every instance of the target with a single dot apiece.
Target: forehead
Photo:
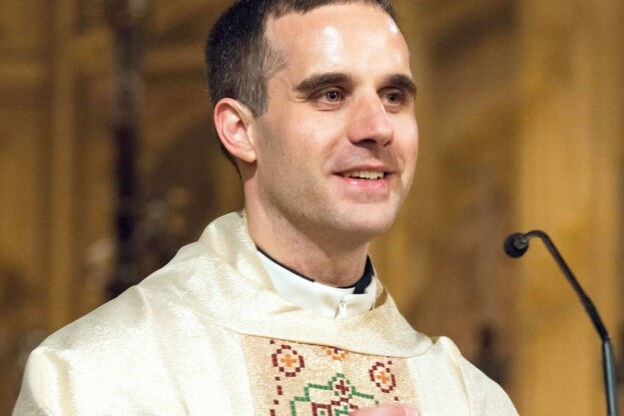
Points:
(339, 37)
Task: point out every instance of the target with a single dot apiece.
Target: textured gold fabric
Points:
(302, 379)
(175, 344)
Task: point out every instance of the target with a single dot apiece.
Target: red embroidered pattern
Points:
(287, 361)
(382, 376)
(302, 379)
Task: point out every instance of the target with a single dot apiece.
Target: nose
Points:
(370, 123)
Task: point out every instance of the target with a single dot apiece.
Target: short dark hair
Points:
(239, 59)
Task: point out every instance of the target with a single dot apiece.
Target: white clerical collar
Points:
(333, 302)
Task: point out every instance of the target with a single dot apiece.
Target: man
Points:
(275, 310)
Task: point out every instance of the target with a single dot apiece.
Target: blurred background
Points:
(109, 163)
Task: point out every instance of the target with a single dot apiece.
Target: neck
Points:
(317, 255)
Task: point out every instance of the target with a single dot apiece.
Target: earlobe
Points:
(233, 124)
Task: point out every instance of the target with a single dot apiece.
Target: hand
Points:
(387, 410)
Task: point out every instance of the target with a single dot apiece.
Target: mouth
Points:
(365, 175)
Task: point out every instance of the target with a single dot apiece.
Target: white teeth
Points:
(364, 174)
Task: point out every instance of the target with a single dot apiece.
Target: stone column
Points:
(62, 174)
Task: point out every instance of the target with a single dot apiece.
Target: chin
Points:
(369, 223)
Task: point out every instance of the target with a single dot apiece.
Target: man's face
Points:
(337, 147)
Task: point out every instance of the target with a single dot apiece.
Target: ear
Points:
(234, 124)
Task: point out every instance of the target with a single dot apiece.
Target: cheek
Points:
(300, 137)
(273, 142)
(406, 136)
(414, 147)
(307, 139)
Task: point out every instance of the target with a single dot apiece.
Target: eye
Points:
(333, 96)
(395, 97)
(328, 98)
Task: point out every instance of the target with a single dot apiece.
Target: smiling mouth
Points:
(367, 175)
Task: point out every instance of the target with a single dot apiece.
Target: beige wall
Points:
(519, 109)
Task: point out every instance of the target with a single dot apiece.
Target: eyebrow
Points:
(318, 81)
(402, 82)
(332, 78)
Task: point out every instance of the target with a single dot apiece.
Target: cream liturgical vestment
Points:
(208, 335)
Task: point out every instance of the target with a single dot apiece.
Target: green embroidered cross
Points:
(342, 391)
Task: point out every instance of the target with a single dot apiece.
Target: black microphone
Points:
(515, 246)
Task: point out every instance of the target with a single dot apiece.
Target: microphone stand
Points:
(515, 246)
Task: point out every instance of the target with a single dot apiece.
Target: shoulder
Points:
(127, 313)
(124, 356)
(141, 314)
(459, 381)
(129, 352)
(85, 352)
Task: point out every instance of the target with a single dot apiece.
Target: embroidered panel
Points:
(289, 378)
